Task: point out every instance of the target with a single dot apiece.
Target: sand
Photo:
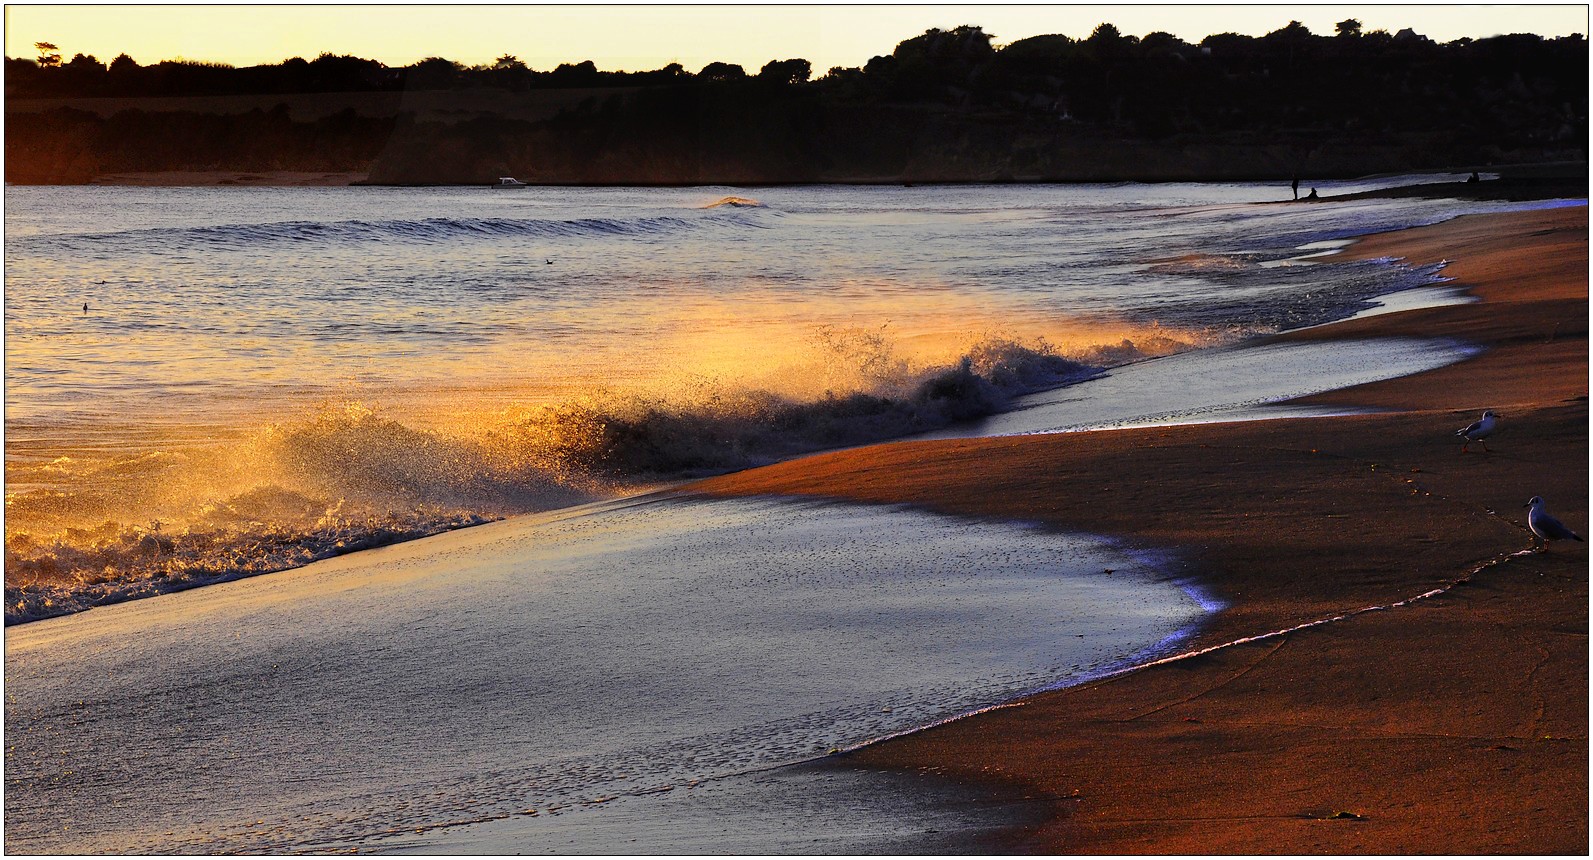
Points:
(1454, 724)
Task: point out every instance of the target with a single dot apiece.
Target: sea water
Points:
(593, 659)
(206, 383)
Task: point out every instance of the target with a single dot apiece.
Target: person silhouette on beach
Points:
(1312, 195)
(1295, 187)
(1473, 178)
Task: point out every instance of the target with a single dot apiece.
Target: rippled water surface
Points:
(219, 299)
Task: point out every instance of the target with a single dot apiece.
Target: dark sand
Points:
(1456, 724)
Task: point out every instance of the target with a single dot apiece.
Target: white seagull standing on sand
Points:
(1547, 528)
(1477, 431)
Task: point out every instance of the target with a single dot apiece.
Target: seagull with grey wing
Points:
(1477, 431)
(1545, 527)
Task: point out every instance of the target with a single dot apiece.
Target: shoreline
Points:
(1281, 744)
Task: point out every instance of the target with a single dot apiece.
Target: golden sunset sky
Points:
(645, 37)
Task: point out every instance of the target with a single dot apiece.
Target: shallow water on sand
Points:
(545, 663)
(817, 808)
(1228, 384)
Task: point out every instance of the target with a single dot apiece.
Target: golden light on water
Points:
(695, 399)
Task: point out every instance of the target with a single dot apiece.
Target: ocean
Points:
(266, 376)
(205, 384)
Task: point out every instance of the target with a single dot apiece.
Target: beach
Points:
(1453, 723)
(714, 666)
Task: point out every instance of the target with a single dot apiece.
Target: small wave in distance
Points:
(736, 202)
(422, 230)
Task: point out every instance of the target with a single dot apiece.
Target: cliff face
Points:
(694, 135)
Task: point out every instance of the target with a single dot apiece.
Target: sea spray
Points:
(346, 476)
(77, 569)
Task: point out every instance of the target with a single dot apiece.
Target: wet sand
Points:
(1455, 724)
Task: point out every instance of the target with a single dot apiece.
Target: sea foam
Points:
(346, 477)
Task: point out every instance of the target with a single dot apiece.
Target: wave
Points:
(83, 568)
(734, 201)
(346, 477)
(425, 230)
(717, 429)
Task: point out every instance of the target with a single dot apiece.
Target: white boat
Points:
(509, 182)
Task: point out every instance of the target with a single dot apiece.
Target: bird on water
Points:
(1477, 431)
(1545, 527)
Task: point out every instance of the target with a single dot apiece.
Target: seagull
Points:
(1547, 528)
(1477, 432)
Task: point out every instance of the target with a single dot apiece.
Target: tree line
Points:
(954, 100)
(1108, 76)
(85, 76)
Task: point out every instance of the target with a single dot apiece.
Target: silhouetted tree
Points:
(673, 73)
(433, 73)
(1348, 28)
(1293, 31)
(717, 71)
(786, 71)
(967, 42)
(582, 74)
(49, 55)
(333, 73)
(1161, 44)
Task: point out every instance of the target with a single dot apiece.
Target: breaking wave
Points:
(716, 428)
(736, 202)
(347, 477)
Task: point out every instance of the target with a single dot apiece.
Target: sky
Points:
(642, 37)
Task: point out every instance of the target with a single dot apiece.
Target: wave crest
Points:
(718, 428)
(347, 477)
(737, 202)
